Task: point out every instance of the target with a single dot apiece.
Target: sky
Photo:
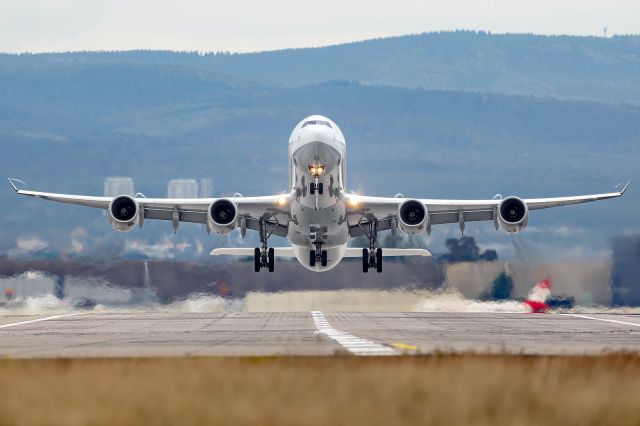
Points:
(256, 25)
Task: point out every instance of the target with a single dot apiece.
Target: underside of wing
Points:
(249, 212)
(386, 212)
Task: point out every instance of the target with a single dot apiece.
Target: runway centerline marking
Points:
(635, 324)
(13, 324)
(355, 345)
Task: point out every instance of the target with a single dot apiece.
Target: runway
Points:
(116, 334)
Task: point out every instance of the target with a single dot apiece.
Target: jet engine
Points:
(413, 217)
(222, 216)
(124, 213)
(513, 214)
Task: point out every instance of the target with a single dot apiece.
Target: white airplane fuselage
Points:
(319, 216)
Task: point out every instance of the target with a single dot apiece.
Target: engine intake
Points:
(123, 213)
(413, 217)
(222, 216)
(513, 214)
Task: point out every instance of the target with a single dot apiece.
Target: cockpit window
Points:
(318, 122)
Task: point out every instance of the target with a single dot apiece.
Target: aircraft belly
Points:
(328, 224)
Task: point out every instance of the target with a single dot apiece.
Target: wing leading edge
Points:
(194, 210)
(363, 209)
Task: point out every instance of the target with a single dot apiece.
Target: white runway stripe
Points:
(635, 324)
(355, 345)
(13, 324)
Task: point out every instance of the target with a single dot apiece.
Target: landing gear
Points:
(371, 257)
(313, 187)
(318, 236)
(257, 263)
(264, 256)
(318, 255)
(271, 259)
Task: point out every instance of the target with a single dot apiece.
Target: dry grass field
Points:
(439, 390)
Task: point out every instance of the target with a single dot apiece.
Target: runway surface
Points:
(106, 334)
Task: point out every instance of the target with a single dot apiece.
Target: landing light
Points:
(316, 169)
(353, 201)
(282, 200)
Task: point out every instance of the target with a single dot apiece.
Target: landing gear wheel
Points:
(320, 188)
(257, 261)
(324, 258)
(312, 258)
(271, 259)
(365, 260)
(312, 188)
(379, 260)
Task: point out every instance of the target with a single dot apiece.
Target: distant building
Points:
(114, 185)
(182, 188)
(206, 187)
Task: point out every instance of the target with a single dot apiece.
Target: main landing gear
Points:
(371, 257)
(318, 255)
(317, 234)
(264, 256)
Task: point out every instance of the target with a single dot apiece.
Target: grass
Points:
(440, 390)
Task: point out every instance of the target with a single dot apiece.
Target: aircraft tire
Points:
(365, 260)
(272, 259)
(256, 259)
(324, 258)
(379, 260)
(312, 258)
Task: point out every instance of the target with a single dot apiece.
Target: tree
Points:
(500, 289)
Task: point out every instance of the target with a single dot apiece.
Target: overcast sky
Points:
(240, 26)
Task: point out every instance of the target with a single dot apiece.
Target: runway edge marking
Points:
(355, 345)
(604, 319)
(13, 324)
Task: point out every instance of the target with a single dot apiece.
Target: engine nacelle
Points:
(123, 213)
(513, 214)
(222, 216)
(413, 217)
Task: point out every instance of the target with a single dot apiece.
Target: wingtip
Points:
(13, 185)
(625, 187)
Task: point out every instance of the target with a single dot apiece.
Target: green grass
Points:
(446, 390)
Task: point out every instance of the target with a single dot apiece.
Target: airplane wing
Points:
(273, 209)
(362, 210)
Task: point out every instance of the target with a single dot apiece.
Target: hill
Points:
(67, 121)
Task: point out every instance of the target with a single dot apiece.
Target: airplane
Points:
(317, 215)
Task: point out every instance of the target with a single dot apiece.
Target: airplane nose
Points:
(316, 135)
